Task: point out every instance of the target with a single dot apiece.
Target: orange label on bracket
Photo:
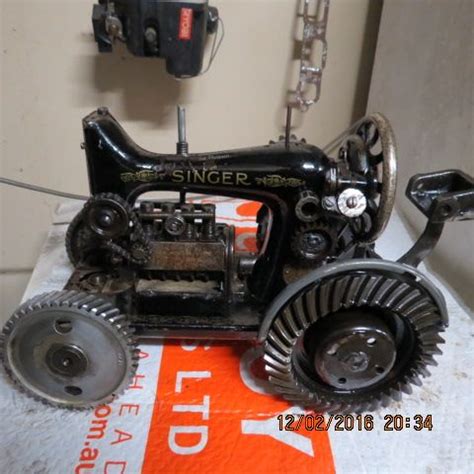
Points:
(185, 24)
(213, 414)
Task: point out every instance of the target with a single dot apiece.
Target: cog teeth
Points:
(363, 407)
(421, 311)
(415, 380)
(368, 289)
(423, 371)
(281, 383)
(430, 336)
(299, 312)
(102, 308)
(385, 399)
(322, 406)
(276, 354)
(429, 360)
(287, 393)
(37, 301)
(294, 398)
(275, 364)
(336, 407)
(283, 333)
(425, 323)
(384, 289)
(277, 374)
(352, 291)
(396, 295)
(432, 349)
(405, 388)
(339, 291)
(279, 344)
(292, 326)
(88, 302)
(374, 405)
(75, 300)
(310, 299)
(407, 300)
(324, 295)
(395, 394)
(115, 317)
(88, 305)
(61, 297)
(347, 291)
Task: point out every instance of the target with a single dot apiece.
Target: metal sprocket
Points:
(82, 240)
(79, 239)
(373, 293)
(313, 242)
(69, 349)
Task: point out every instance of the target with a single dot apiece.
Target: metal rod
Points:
(181, 124)
(182, 145)
(40, 189)
(288, 126)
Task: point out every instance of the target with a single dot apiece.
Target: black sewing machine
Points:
(342, 328)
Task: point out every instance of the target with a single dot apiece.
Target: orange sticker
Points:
(213, 413)
(185, 24)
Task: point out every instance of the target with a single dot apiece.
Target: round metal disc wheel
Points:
(353, 342)
(371, 151)
(69, 349)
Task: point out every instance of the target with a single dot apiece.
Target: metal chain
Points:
(315, 20)
(137, 236)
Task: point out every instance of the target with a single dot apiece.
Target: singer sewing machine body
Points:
(273, 174)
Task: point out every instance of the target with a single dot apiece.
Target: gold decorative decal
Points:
(206, 176)
(144, 176)
(277, 181)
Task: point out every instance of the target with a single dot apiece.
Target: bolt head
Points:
(352, 202)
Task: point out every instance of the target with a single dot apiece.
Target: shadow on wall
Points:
(367, 58)
(145, 91)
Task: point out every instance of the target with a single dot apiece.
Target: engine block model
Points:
(341, 328)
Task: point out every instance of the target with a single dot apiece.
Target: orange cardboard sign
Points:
(212, 414)
(214, 411)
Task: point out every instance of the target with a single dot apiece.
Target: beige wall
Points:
(423, 81)
(52, 76)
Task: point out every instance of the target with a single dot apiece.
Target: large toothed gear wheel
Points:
(69, 349)
(354, 341)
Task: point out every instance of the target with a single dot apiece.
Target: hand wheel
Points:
(371, 151)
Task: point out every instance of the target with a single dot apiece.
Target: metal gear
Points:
(84, 235)
(313, 242)
(80, 241)
(69, 349)
(108, 215)
(354, 342)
